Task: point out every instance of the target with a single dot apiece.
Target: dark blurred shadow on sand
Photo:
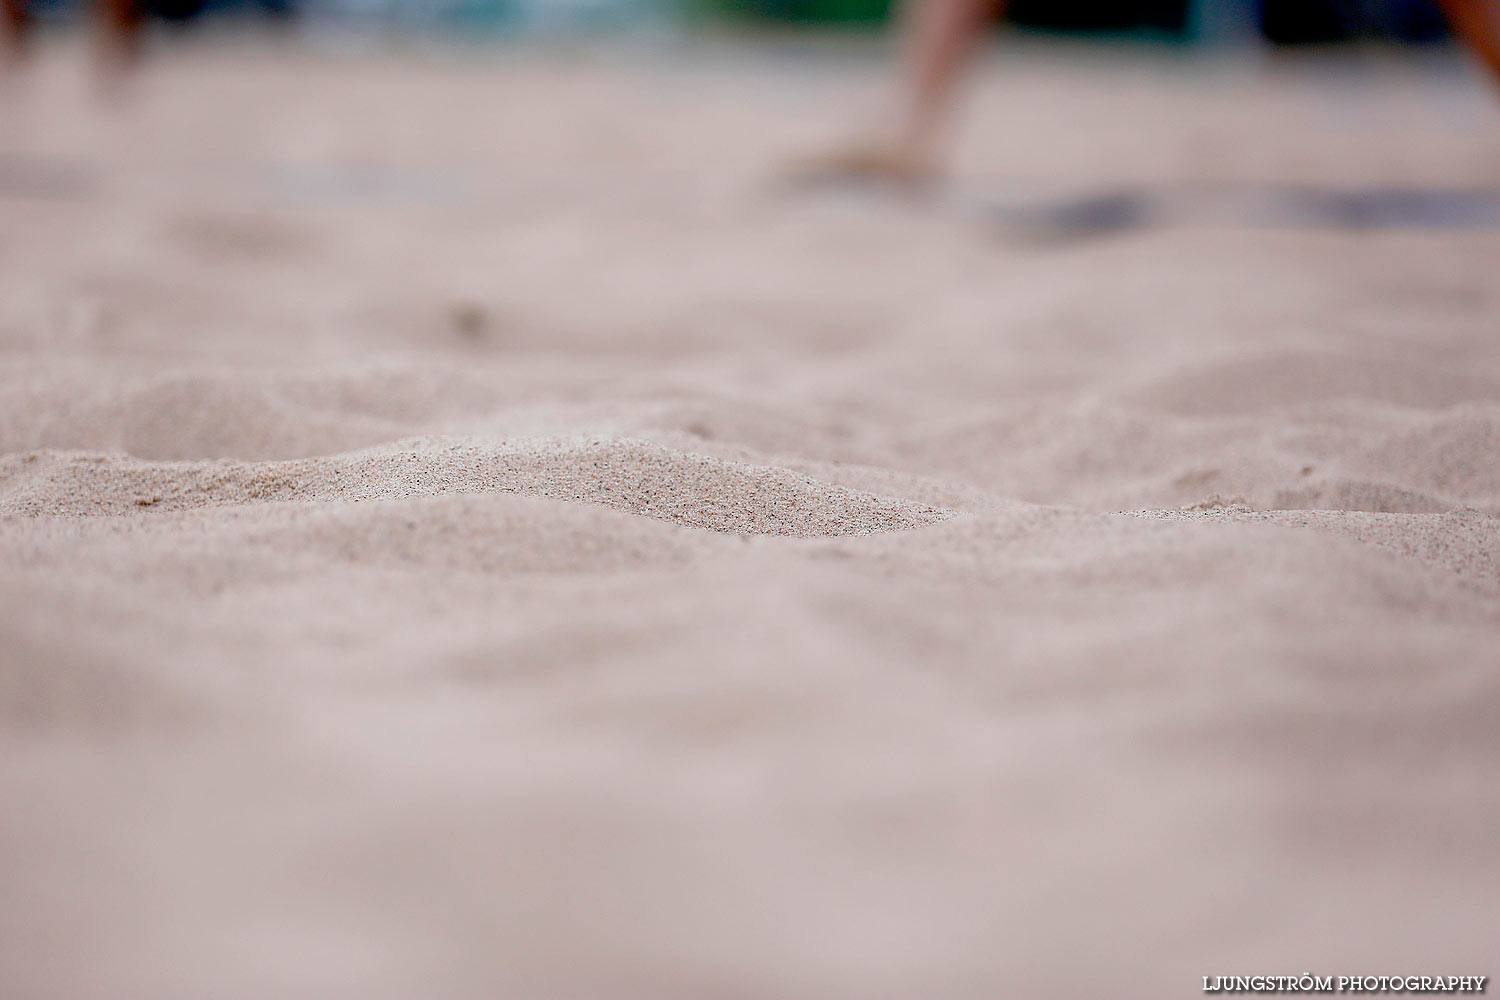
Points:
(1110, 212)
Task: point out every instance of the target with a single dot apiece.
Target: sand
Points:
(463, 533)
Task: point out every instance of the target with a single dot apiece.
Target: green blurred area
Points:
(1160, 19)
(834, 12)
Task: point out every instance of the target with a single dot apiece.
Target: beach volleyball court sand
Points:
(464, 534)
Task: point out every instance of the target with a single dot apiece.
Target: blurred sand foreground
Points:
(464, 537)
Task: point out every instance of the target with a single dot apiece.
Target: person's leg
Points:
(120, 36)
(937, 39)
(15, 22)
(1478, 23)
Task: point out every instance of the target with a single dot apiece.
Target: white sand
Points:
(460, 536)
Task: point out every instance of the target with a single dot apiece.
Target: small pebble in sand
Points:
(470, 319)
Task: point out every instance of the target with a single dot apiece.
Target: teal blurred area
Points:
(1279, 22)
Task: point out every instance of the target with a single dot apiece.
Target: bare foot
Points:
(868, 162)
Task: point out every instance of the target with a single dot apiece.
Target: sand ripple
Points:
(634, 476)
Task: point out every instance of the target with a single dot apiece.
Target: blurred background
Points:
(1175, 22)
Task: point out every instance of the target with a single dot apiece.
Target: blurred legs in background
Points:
(15, 25)
(120, 23)
(937, 39)
(120, 36)
(1478, 23)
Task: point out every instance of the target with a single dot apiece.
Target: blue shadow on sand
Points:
(1122, 210)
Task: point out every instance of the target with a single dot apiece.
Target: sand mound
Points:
(469, 533)
(633, 476)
